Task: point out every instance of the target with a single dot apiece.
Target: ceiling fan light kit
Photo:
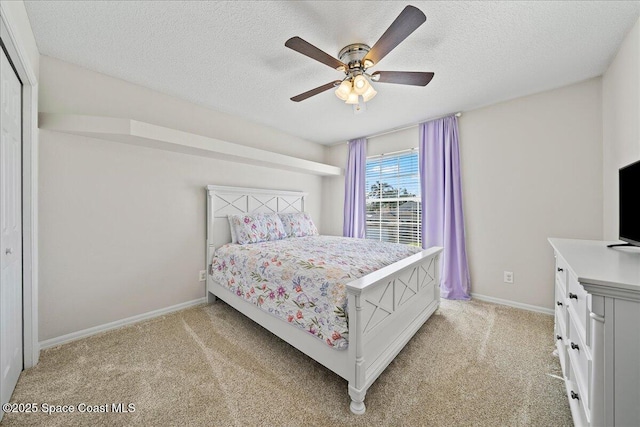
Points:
(369, 94)
(350, 90)
(344, 90)
(356, 58)
(352, 98)
(360, 84)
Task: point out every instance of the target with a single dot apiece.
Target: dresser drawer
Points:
(577, 298)
(561, 271)
(580, 358)
(578, 412)
(560, 304)
(561, 348)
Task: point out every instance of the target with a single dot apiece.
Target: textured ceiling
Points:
(230, 56)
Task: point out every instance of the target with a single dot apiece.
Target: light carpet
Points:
(472, 363)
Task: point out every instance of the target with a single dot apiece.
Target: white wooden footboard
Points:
(386, 308)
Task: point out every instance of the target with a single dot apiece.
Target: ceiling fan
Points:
(357, 58)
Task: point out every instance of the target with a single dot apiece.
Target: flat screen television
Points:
(629, 181)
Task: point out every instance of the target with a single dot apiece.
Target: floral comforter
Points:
(302, 280)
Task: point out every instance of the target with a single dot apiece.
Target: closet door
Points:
(10, 229)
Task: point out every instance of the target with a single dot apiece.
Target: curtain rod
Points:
(406, 150)
(458, 114)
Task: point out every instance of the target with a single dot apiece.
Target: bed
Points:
(383, 308)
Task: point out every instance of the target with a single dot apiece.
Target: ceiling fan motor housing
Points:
(352, 55)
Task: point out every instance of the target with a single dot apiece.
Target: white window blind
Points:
(393, 198)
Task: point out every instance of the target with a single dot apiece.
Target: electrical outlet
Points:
(508, 277)
(203, 275)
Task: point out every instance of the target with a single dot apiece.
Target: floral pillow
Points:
(256, 228)
(273, 225)
(298, 224)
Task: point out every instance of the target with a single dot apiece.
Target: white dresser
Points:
(597, 330)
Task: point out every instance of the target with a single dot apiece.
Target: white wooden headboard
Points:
(224, 201)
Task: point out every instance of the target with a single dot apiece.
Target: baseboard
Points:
(52, 342)
(515, 304)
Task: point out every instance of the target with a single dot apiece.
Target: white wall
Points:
(620, 122)
(531, 168)
(122, 228)
(71, 89)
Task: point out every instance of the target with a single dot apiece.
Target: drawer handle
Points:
(575, 346)
(574, 296)
(574, 395)
(560, 269)
(558, 303)
(558, 337)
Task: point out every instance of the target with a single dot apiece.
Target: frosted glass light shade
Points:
(352, 98)
(343, 90)
(369, 94)
(360, 84)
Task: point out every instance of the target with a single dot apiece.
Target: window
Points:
(393, 198)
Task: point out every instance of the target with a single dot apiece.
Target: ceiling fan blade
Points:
(315, 91)
(414, 78)
(306, 48)
(406, 23)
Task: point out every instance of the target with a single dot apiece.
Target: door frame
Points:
(18, 56)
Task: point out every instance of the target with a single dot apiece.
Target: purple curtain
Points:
(442, 217)
(354, 189)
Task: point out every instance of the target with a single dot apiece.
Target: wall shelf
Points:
(143, 134)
